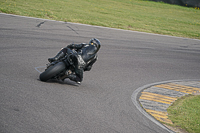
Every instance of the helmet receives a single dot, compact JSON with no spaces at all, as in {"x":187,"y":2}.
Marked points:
{"x":95,"y":42}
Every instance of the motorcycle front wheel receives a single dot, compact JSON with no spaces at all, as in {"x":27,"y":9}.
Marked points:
{"x":52,"y":71}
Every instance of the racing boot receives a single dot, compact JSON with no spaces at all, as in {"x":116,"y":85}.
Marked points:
{"x":75,"y":78}
{"x":57,"y":57}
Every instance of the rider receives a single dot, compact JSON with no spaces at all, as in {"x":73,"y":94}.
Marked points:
{"x":82,"y":57}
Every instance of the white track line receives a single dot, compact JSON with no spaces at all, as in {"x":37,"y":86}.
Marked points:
{"x":101,"y":27}
{"x":36,"y":68}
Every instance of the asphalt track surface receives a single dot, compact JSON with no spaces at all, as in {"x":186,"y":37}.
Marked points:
{"x":102,"y":103}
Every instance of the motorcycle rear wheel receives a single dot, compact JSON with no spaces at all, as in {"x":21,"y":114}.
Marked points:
{"x":52,"y":71}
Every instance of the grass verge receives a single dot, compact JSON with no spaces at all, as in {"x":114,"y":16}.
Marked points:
{"x":137,"y":15}
{"x":185,"y":113}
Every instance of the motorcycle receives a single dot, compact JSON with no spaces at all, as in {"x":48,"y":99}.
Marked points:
{"x":59,"y":69}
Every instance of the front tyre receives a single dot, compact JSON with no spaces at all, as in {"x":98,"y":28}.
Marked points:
{"x":52,"y":71}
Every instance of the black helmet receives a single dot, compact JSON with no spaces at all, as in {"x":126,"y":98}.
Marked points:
{"x":95,"y":42}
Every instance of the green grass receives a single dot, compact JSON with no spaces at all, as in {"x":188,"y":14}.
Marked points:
{"x":137,"y":15}
{"x":185,"y":113}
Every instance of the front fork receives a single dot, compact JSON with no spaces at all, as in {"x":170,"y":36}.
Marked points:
{"x":65,"y":74}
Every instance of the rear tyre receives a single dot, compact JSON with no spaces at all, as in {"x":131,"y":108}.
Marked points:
{"x":52,"y":71}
